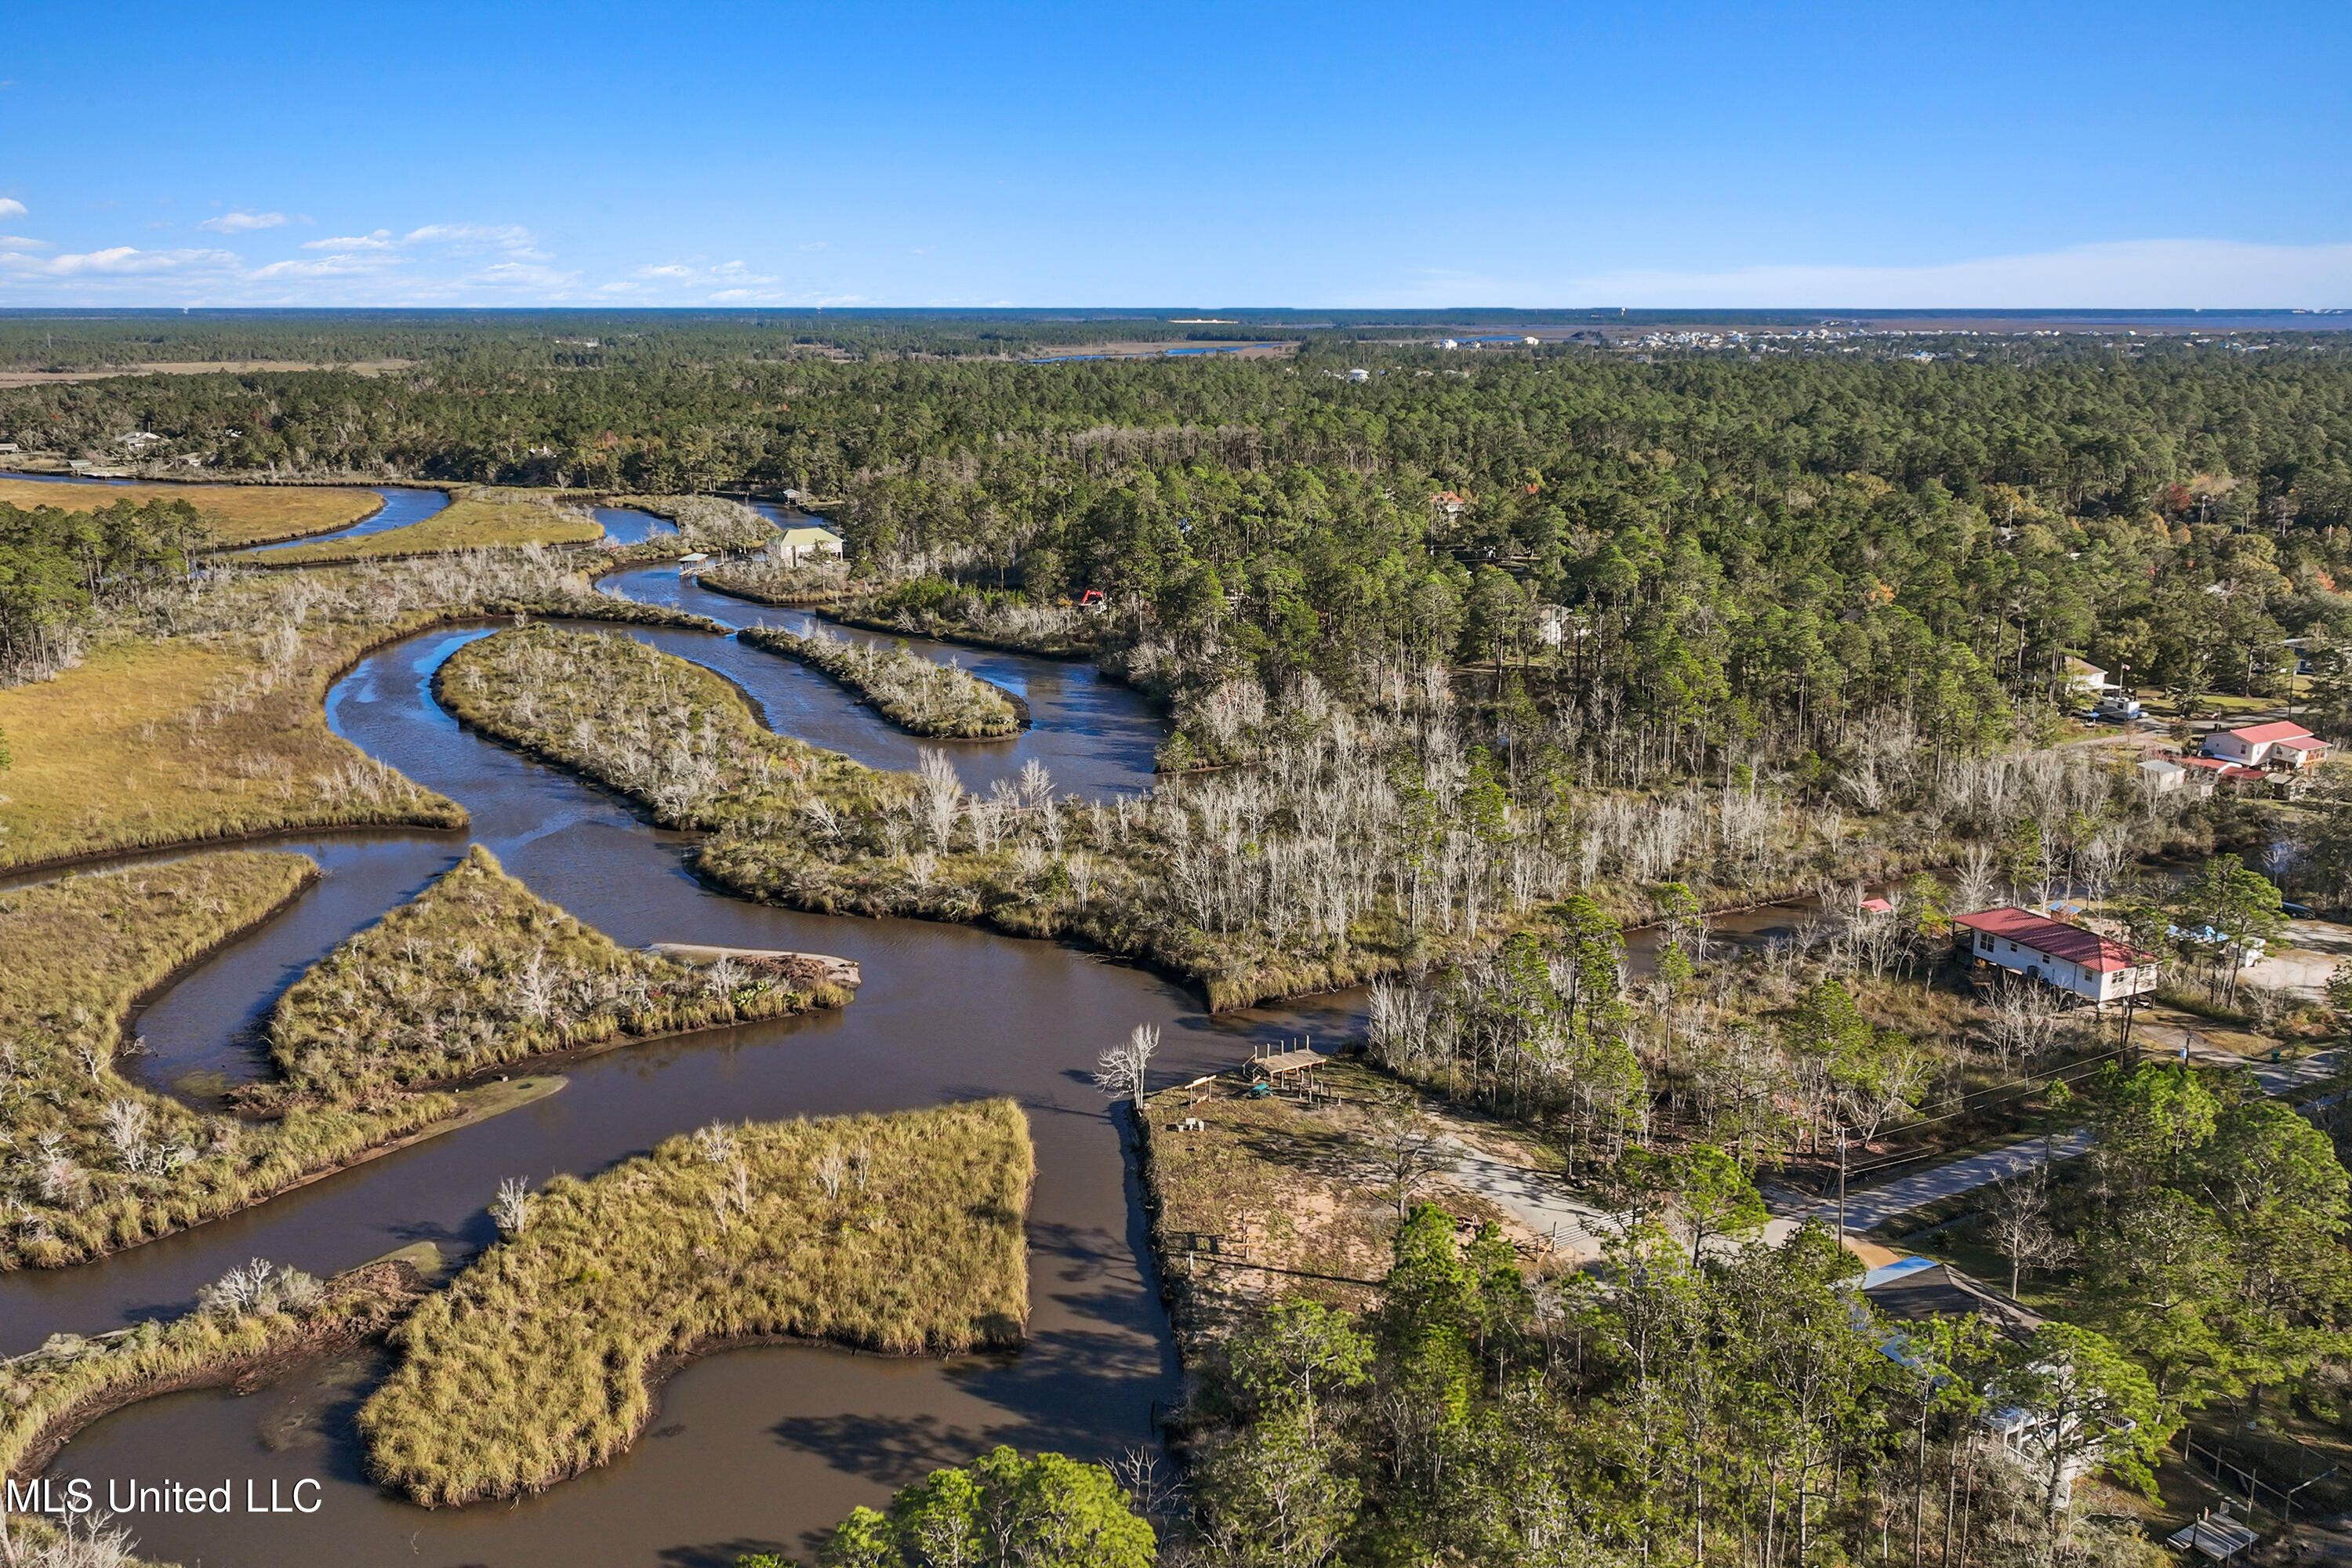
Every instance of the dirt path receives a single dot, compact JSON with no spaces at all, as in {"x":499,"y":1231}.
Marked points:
{"x":1532,"y":1198}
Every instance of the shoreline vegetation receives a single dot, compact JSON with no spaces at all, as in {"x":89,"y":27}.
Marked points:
{"x":474,"y":974}
{"x":901,"y":1235}
{"x":982,"y":617}
{"x":234,"y":517}
{"x":942,"y":700}
{"x":679,"y":740}
{"x":100,"y":1161}
{"x":477,"y":972}
{"x":246,"y":1325}
{"x":202,"y":720}
{"x":764,"y":581}
{"x":1159,"y":877}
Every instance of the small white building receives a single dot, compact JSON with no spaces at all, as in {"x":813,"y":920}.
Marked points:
{"x":807,"y":542}
{"x":2282,"y":744}
{"x":2072,"y":958}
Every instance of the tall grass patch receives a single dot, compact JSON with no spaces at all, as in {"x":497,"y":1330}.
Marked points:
{"x":660,"y":729}
{"x":900,"y":1233}
{"x":479,"y":971}
{"x":477,"y":519}
{"x":95,"y":1161}
{"x":257,"y":1314}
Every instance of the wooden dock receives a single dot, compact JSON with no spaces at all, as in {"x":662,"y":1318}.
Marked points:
{"x":702,"y":956}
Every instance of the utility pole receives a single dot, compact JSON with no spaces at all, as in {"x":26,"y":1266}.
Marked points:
{"x":1840,"y":1234}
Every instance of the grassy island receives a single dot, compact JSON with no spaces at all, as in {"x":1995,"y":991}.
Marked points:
{"x":257,"y":1316}
{"x":900,"y":1234}
{"x":479,"y":518}
{"x":478,"y":970}
{"x":202,"y":720}
{"x":475,"y":973}
{"x":765,"y":580}
{"x":99,"y":1161}
{"x":660,"y":728}
{"x":912,"y":692}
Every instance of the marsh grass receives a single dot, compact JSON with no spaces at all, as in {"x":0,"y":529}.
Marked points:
{"x":95,"y":1162}
{"x":476,"y":519}
{"x":982,"y":617}
{"x":900,"y":1233}
{"x":268,"y":1315}
{"x":205,"y":721}
{"x":911,"y":691}
{"x":704,"y":523}
{"x":478,"y":970}
{"x":658,"y":728}
{"x":235,"y":515}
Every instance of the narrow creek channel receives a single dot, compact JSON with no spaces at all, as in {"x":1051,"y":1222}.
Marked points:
{"x":752,"y":1448}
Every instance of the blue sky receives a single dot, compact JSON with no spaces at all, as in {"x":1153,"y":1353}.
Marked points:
{"x":1362,"y":154}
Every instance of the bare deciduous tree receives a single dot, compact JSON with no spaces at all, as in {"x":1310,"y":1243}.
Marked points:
{"x":2019,"y":1222}
{"x":511,"y":1210}
{"x":1122,"y":1070}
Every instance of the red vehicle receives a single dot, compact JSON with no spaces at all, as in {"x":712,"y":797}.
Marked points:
{"x":1092,"y":599}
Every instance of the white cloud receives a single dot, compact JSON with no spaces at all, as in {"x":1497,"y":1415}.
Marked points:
{"x":816,"y":245}
{"x":356,"y":266}
{"x":2135,"y":274}
{"x":242,"y":222}
{"x":672,"y":270}
{"x":495,"y":237}
{"x":16,"y":241}
{"x":122,"y":260}
{"x":379,"y":240}
{"x":10,"y":207}
{"x":523,"y":275}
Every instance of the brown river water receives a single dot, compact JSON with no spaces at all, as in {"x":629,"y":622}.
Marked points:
{"x":755,"y":1448}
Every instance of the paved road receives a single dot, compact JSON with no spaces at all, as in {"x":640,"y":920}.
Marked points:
{"x":1874,"y":1206}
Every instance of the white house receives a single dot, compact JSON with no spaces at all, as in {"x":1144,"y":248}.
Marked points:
{"x":2072,"y":958}
{"x":807,"y":542}
{"x":2280,"y":745}
{"x":2082,"y":677}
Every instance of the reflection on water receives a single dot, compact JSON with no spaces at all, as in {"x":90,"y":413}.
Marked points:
{"x":403,"y":505}
{"x":626,"y":525}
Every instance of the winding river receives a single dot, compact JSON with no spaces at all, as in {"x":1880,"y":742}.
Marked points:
{"x":751,"y":1449}
{"x":754,"y":1448}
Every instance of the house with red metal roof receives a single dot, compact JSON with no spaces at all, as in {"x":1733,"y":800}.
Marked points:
{"x":2073,"y":958}
{"x":2284,"y":743}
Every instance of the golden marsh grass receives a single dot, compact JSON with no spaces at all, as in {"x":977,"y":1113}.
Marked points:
{"x":900,"y":1233}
